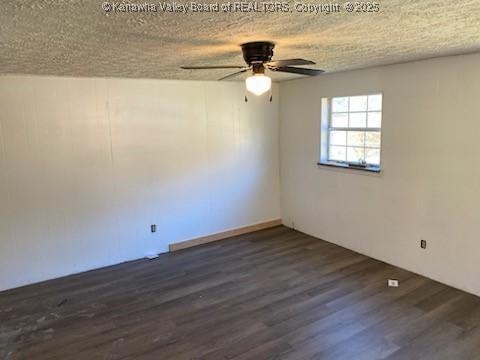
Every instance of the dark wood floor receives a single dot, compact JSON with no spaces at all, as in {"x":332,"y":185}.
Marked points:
{"x":274,"y":294}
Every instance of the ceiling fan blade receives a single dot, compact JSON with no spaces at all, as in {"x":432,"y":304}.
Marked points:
{"x":295,"y":70}
{"x":290,"y":62}
{"x":211,"y":67}
{"x":234,"y":74}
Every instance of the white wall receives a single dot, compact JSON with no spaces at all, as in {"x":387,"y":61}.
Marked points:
{"x":429,"y":187}
{"x":86,"y":165}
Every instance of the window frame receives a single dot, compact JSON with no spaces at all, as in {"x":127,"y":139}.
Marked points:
{"x":327,"y":127}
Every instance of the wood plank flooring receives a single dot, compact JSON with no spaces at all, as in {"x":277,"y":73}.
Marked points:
{"x":273,"y":294}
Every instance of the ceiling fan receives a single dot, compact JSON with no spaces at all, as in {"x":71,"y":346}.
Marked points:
{"x":258,"y":56}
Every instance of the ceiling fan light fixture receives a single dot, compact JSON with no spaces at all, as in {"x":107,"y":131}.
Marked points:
{"x":258,"y":58}
{"x":258,"y":84}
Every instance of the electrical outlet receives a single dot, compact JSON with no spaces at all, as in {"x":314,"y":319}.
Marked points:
{"x":153,"y":228}
{"x":423,"y":244}
{"x":392,"y":283}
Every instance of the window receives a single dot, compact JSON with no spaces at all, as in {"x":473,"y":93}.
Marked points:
{"x":352,"y":131}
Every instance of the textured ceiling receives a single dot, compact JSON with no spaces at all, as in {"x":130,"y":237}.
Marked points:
{"x":77,"y":38}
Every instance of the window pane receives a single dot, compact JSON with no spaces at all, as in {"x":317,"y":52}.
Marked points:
{"x":340,"y":104}
{"x":338,"y":138}
{"x":337,"y":153}
{"x":372,"y":138}
{"x":358,"y":103}
{"x":356,"y":138}
{"x":355,"y":154}
{"x":372,"y":156}
{"x":340,"y":120}
{"x":375,"y":102}
{"x":354,"y":129}
{"x":358,"y":119}
{"x":374,"y":119}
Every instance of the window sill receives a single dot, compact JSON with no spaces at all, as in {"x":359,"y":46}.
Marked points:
{"x":372,"y":169}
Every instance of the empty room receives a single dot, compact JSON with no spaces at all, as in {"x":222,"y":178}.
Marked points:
{"x":239,"y":180}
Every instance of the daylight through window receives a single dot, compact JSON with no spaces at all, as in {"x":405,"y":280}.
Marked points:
{"x":354,"y":130}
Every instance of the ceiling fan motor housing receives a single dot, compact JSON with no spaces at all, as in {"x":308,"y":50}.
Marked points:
{"x":257,"y":52}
